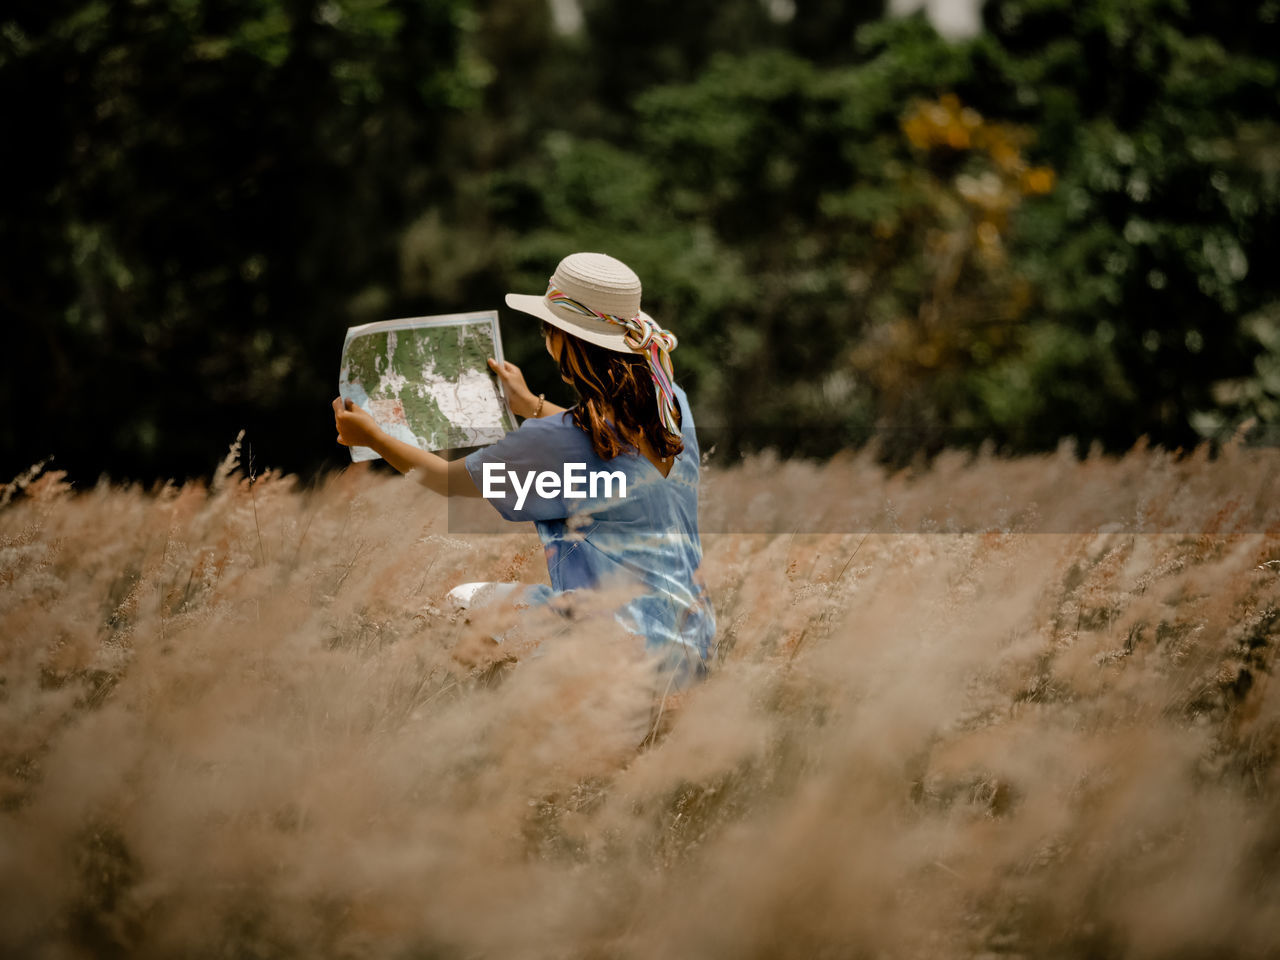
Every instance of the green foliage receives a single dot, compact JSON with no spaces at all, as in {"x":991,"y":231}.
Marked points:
{"x":202,"y":189}
{"x":857,"y":230}
{"x":1080,"y":266}
{"x":1155,"y":239}
{"x":1251,"y":402}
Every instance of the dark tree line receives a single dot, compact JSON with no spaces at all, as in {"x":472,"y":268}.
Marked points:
{"x":860,"y":231}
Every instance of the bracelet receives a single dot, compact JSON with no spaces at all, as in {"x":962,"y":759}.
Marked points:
{"x":542,"y":398}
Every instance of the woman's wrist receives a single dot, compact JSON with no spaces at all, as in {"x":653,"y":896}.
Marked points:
{"x":531,"y":406}
{"x":376,"y":439}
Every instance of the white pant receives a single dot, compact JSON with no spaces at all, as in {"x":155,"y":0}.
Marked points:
{"x":480,"y":593}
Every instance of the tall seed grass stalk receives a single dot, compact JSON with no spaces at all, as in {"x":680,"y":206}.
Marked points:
{"x":913,"y":744}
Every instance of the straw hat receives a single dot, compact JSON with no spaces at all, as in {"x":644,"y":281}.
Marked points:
{"x":597,"y":298}
{"x":601,"y":284}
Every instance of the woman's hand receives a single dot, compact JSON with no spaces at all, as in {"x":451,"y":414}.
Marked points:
{"x":356,"y":428}
{"x":522,"y":399}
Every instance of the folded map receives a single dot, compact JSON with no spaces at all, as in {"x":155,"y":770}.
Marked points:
{"x":426,"y":380}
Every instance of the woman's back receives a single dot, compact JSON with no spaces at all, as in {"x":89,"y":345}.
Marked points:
{"x":642,"y":531}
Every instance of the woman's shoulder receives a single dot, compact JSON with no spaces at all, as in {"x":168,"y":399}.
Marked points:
{"x":686,"y":408}
{"x":557,"y":422}
{"x":559,"y":435}
{"x":557,"y":431}
{"x":687,"y":431}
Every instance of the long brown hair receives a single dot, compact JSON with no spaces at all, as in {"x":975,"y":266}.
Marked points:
{"x":617,"y":406}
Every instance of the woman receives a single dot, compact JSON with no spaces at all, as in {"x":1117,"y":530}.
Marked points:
{"x":632,"y":420}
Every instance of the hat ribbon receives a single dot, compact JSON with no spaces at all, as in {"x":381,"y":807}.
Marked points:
{"x":644,"y":335}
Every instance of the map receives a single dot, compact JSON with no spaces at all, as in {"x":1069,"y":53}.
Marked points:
{"x":426,"y":380}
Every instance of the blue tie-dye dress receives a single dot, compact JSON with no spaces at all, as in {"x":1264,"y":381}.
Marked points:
{"x":649,"y":537}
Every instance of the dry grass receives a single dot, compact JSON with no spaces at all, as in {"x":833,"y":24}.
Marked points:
{"x":232,"y":723}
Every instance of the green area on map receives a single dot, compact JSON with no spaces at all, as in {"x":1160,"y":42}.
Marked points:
{"x":404,"y":371}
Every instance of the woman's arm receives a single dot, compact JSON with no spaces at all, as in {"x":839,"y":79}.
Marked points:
{"x":522,"y":399}
{"x":356,"y":428}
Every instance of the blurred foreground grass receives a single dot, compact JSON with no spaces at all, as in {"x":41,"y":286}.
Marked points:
{"x":235,"y":721}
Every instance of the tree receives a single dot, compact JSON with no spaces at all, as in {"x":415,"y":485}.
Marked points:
{"x":204,"y":193}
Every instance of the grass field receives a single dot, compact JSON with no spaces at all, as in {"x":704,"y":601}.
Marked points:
{"x":237,"y":721}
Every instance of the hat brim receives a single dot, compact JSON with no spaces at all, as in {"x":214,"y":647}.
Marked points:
{"x":600,"y":332}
